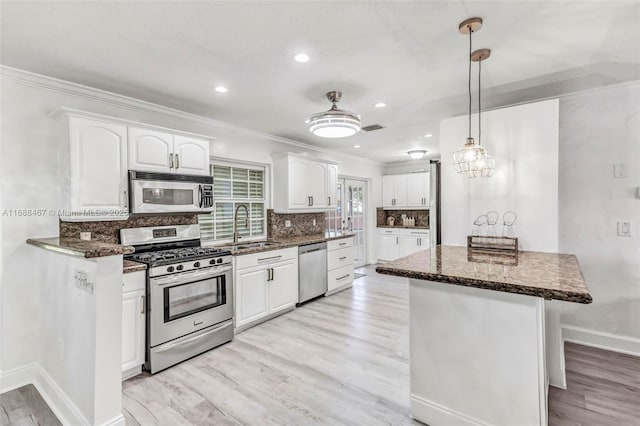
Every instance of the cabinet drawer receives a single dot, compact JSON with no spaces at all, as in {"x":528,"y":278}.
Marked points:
{"x":414,"y":232}
{"x":387,"y":231}
{"x":133,"y":281}
{"x":339,"y":277}
{"x":339,"y":258}
{"x":265,"y":257}
{"x":339,"y":244}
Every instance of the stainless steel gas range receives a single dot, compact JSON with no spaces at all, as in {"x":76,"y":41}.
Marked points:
{"x":189,"y":292}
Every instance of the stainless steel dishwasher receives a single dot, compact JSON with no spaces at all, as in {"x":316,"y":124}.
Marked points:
{"x":312,"y":271}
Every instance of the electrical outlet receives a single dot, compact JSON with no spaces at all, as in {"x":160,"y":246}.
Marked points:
{"x":620,"y":170}
{"x":82,"y":281}
{"x":624,"y":229}
{"x":287,"y":224}
{"x":314,"y":222}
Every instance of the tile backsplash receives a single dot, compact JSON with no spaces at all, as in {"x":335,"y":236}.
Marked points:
{"x":421,"y":216}
{"x":108,"y":231}
{"x":301,"y":224}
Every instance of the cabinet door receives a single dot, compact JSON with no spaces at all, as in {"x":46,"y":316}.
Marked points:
{"x":98,"y":167}
{"x":388,"y":247}
{"x":416,"y":187}
{"x":408,"y":245}
{"x":298,"y":192}
{"x":317,"y":179}
{"x":401,"y":190}
{"x":388,"y":190}
{"x":150,"y":150}
{"x":283,"y":288}
{"x":427,"y":189}
{"x":191,"y":155}
{"x":251,"y":295}
{"x":332,"y":185}
{"x":133,"y":329}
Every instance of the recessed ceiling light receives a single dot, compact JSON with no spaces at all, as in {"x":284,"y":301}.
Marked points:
{"x":301,"y":57}
{"x":220,"y":89}
{"x":356,"y":146}
{"x":428,"y":135}
{"x":380,"y":105}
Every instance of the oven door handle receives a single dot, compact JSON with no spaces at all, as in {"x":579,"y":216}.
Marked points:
{"x":189,"y":276}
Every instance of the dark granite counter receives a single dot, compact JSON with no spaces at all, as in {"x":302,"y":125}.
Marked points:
{"x":403,"y":227}
{"x":131,"y":266}
{"x":80,"y":248}
{"x":282,"y":243}
{"x":547,"y":275}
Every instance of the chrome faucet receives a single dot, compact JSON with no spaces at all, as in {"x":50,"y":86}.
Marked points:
{"x":236,"y":235}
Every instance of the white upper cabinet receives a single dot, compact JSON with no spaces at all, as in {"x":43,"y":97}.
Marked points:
{"x":332,"y":187}
{"x":97,"y":170}
{"x":191,"y":155}
{"x":162,"y":152}
{"x":406,"y":190}
{"x":302,"y":184}
{"x":150,"y":150}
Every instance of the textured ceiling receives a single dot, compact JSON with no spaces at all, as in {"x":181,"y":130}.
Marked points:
{"x":407,"y":54}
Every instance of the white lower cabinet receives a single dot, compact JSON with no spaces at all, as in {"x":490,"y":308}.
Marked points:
{"x":388,"y":244}
{"x":396,"y":243}
{"x":266,"y":283}
{"x":412,"y":241}
{"x":339,"y":265}
{"x":133,"y":323}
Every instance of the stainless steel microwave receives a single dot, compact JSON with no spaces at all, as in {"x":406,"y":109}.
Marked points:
{"x":157,"y":193}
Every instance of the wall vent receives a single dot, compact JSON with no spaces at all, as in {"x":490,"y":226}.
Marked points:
{"x":372,"y":127}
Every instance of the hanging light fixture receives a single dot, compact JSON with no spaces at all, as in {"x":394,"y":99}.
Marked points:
{"x":417,"y":154}
{"x":486,"y":168}
{"x":334,"y":123}
{"x":471,"y":158}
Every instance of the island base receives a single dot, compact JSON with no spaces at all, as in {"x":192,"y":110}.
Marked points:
{"x":476,"y":356}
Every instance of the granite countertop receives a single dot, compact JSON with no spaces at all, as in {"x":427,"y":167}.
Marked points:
{"x":80,"y":248}
{"x":287,"y":242}
{"x":402,"y":227}
{"x":547,"y":275}
{"x":131,"y":266}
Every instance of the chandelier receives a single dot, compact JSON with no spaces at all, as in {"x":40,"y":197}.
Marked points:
{"x":334,"y":123}
{"x":473,"y":159}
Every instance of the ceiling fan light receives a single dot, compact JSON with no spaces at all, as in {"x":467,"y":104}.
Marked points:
{"x":334,"y":123}
{"x":417,"y":154}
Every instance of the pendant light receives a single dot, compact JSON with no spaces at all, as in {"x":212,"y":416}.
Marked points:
{"x":334,"y":123}
{"x":471,"y":158}
{"x":486,"y":168}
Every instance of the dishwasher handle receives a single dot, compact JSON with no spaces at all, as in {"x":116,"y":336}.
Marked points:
{"x":309,"y":248}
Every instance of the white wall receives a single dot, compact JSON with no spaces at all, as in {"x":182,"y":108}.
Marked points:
{"x":29,"y":180}
{"x":524,"y":141}
{"x":597,"y":130}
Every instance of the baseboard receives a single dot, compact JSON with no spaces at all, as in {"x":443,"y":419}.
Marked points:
{"x":432,"y":413}
{"x":61,"y":405}
{"x":602,"y":340}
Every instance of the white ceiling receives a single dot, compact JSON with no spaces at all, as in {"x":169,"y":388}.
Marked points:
{"x":407,"y":54}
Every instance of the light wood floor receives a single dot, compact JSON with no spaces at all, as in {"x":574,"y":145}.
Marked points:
{"x":24,"y":406}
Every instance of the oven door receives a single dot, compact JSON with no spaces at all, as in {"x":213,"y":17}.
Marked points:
{"x":157,"y":196}
{"x":189,"y":301}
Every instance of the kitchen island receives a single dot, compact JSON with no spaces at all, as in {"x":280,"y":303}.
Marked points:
{"x":478,"y":335}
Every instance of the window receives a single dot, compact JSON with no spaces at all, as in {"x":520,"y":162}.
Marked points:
{"x":333,"y":219}
{"x":235,"y":186}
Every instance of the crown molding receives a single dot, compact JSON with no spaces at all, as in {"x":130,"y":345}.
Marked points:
{"x":27,"y":78}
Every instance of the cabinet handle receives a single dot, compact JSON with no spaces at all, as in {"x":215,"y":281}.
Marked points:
{"x":125,"y":201}
{"x":269,"y":258}
{"x":142,"y":305}
{"x":268,"y":274}
{"x":419,"y":241}
{"x":272,"y":274}
{"x":177,"y":160}
{"x":341,"y":244}
{"x":343,"y":258}
{"x":309,"y":201}
{"x":329,"y":201}
{"x":171,"y":161}
{"x":396,"y":240}
{"x":342,"y":278}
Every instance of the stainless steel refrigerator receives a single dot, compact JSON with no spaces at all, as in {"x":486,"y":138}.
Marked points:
{"x":434,"y":204}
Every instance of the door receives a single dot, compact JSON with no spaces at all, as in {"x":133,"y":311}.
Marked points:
{"x":298,"y":194}
{"x":332,"y":185}
{"x":283,"y":288}
{"x":317,"y":180}
{"x":354,"y":217}
{"x":191,"y":156}
{"x":99,"y":167}
{"x":388,"y":246}
{"x":388,"y":190}
{"x":133,"y":326}
{"x":251,"y":294}
{"x":150,"y":150}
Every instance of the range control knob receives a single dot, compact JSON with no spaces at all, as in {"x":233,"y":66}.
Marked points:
{"x":170,"y":269}
{"x":196,"y":265}
{"x":212,"y":262}
{"x":219,"y":260}
{"x":179,"y":267}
